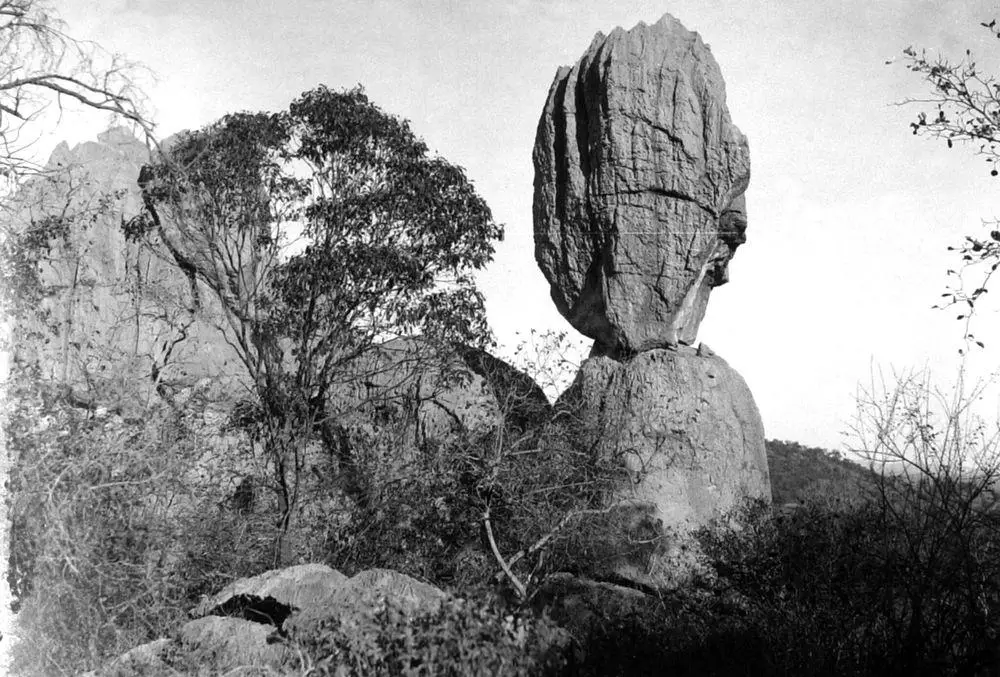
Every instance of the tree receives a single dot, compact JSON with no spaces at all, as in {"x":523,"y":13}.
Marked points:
{"x":318,"y":232}
{"x":41,"y":64}
{"x":963,"y":107}
{"x":936,"y":466}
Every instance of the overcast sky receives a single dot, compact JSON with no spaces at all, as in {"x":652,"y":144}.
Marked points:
{"x":849,"y":213}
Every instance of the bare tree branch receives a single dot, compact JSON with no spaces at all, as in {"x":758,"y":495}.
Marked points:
{"x":41,"y":66}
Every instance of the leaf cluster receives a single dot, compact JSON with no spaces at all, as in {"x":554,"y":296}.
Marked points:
{"x":966,"y":109}
{"x":327,"y":227}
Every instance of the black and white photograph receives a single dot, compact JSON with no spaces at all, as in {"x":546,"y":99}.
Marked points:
{"x":524,"y":338}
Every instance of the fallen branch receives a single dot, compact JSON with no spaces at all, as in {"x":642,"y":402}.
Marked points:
{"x":544,"y":540}
{"x":515,"y":581}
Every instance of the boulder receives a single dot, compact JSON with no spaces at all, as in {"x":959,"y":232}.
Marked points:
{"x":639,"y":182}
{"x":683,"y":430}
{"x":522,"y":402}
{"x":231,"y":645}
{"x":356,"y":601}
{"x":317,"y":590}
{"x":145,"y":659}
{"x":409,"y":395}
{"x":410,"y":380}
{"x":407,"y":591}
{"x":272,"y":595}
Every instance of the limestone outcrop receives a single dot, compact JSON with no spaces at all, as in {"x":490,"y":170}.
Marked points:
{"x":638,"y":209}
{"x":426,"y":387}
{"x":109,"y":316}
{"x":295,"y":587}
{"x":407,"y":393}
{"x":639,"y":182}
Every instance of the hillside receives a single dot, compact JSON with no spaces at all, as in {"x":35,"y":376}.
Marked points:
{"x":800,"y":473}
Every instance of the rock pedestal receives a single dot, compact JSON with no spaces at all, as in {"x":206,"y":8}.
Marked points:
{"x":683,"y":426}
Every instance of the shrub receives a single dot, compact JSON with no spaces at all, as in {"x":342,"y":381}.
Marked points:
{"x":463,"y":637}
{"x":846,"y":592}
{"x":115,"y":534}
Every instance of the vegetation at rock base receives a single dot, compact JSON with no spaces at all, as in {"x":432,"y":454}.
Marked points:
{"x":121,"y":527}
{"x":464,"y":637}
{"x":391,"y":237}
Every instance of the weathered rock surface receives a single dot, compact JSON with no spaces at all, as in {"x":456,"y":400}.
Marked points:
{"x":408,"y":378}
{"x":229,"y":645}
{"x":639,"y":178}
{"x":355,"y":602}
{"x":523,"y":404}
{"x":687,"y":434}
{"x":240,"y":627}
{"x":407,"y":394}
{"x":407,"y":591}
{"x":295,"y":587}
{"x":111,"y":322}
{"x":145,"y":659}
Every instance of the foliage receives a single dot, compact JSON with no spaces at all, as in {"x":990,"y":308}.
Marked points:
{"x":458,"y":511}
{"x":834,"y":592}
{"x":964,"y":102}
{"x":320,"y":231}
{"x":801,"y":474}
{"x":51,"y":230}
{"x":905,"y":583}
{"x":113,"y":534}
{"x":463,"y":637}
{"x":390,"y":234}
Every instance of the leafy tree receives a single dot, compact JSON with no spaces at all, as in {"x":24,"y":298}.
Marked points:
{"x":319,"y":232}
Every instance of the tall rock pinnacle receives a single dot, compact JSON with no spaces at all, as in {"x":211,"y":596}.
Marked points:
{"x":639,"y":182}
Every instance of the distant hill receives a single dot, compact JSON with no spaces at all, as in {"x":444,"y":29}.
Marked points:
{"x":800,"y":473}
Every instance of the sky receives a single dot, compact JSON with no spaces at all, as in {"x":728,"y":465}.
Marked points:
{"x":849,"y":214}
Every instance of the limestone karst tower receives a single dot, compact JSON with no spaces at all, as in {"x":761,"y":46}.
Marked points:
{"x":638,"y":208}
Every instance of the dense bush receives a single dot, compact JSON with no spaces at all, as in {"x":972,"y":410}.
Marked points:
{"x":871,"y":589}
{"x":855,"y":592}
{"x":114,"y":536}
{"x":463,"y":637}
{"x":802,"y":474}
{"x":544,"y":506}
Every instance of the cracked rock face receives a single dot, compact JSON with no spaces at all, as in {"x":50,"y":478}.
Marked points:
{"x":111,"y":317}
{"x":639,"y":182}
{"x":684,"y":428}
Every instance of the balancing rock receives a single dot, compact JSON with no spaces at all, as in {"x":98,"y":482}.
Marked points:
{"x":639,"y":182}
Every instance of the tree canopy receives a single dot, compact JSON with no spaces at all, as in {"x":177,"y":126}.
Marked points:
{"x":326,"y":227}
{"x":319,"y":232}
